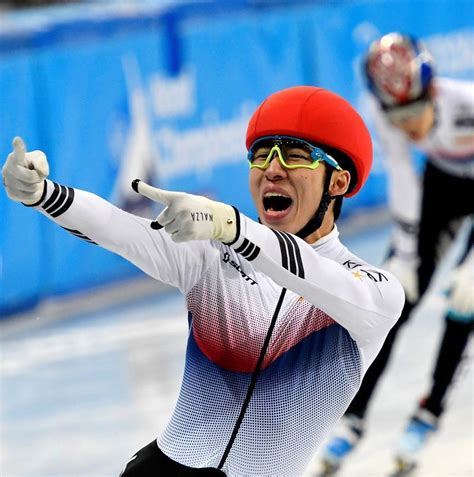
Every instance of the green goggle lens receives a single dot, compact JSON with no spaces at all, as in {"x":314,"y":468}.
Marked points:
{"x":293,"y":153}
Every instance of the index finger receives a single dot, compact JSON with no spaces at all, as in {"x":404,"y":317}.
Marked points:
{"x":153,"y":193}
{"x":19,"y":149}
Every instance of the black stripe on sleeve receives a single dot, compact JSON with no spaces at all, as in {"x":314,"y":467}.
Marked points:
{"x":297,"y":254}
{"x":248,"y":250}
{"x":284,"y":252}
{"x":58,"y":200}
{"x":87,"y":239}
{"x":243,"y":246}
{"x":66,"y":204}
{"x":291,"y":253}
{"x":466,"y":122}
{"x":80,"y":235}
{"x":54,"y":196}
{"x":63,"y":195}
{"x":254,"y":254}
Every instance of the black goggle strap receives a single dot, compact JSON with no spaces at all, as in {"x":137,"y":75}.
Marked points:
{"x":271,"y":142}
{"x":318,"y":217}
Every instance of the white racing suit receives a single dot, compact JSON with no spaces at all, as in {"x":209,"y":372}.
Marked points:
{"x":280,"y":333}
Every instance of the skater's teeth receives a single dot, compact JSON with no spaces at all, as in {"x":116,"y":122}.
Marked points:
{"x":276,"y":202}
{"x":274,"y":194}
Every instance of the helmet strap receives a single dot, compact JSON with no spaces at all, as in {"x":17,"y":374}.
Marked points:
{"x":317,"y":219}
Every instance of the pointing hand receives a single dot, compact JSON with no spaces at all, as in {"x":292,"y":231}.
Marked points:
{"x":191,"y":217}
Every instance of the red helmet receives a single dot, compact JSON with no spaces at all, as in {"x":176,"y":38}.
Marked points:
{"x":317,"y":116}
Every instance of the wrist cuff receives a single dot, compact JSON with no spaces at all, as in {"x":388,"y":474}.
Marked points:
{"x":43,"y":195}
{"x":237,"y":227}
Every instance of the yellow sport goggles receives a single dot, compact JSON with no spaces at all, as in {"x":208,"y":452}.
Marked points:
{"x":293,"y":153}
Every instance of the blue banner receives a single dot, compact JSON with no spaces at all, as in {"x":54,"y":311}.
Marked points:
{"x":91,"y":99}
{"x":228,"y":68}
{"x":20,"y":237}
{"x":165,"y":95}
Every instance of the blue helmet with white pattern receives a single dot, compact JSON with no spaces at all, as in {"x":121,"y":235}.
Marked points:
{"x":399,"y":70}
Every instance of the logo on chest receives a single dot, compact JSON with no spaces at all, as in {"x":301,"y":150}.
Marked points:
{"x":226,"y":259}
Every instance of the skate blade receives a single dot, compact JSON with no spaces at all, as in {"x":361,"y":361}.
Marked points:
{"x":403,"y":468}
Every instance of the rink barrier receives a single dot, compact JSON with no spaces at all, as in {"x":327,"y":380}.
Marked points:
{"x":107,"y":93}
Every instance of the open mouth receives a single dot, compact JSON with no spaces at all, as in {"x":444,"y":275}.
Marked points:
{"x":275,"y":202}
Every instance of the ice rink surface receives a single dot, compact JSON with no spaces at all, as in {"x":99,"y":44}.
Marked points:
{"x":81,"y":394}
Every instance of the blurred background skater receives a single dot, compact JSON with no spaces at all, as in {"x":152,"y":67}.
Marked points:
{"x":415,"y":107}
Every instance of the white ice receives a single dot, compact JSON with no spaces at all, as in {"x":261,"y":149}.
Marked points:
{"x":81,"y":394}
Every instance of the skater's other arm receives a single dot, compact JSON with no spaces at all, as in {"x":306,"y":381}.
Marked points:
{"x":92,"y":218}
{"x":404,"y":187}
{"x":365,"y":300}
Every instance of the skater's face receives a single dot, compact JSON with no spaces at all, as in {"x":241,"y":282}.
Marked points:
{"x":417,"y":126}
{"x":286,"y":199}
